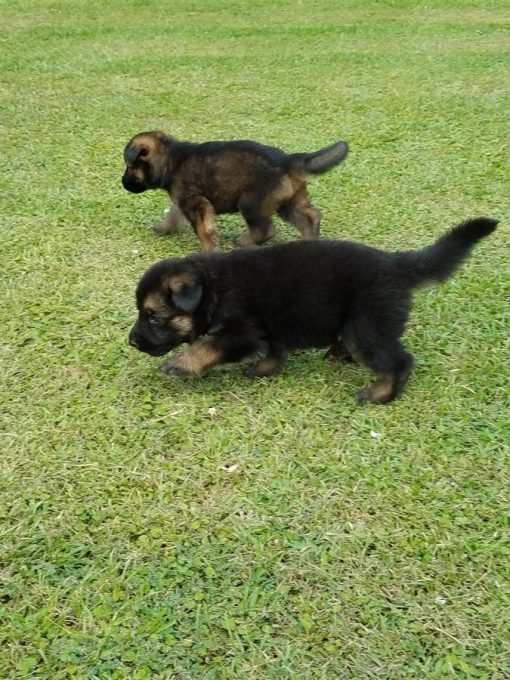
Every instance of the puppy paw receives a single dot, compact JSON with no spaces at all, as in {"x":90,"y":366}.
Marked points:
{"x":166,"y":226}
{"x":264,"y":368}
{"x":336,"y":354}
{"x":173,"y":369}
{"x":363,"y":396}
{"x":161,"y":228}
{"x":254,"y":238}
{"x":251,"y":371}
{"x":172,"y":222}
{"x":244,"y":239}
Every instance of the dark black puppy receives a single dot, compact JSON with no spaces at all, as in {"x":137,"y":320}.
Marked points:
{"x":213,"y":178}
{"x":261,"y":303}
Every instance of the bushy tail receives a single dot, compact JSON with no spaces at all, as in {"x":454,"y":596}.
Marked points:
{"x":439,"y":261}
{"x":317,"y":162}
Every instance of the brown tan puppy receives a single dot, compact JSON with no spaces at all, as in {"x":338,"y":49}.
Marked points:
{"x":212,"y":178}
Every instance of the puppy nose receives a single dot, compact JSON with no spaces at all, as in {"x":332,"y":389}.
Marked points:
{"x":133,"y":342}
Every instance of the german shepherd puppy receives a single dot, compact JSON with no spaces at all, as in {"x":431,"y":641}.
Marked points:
{"x":261,"y":303}
{"x":228,"y":177}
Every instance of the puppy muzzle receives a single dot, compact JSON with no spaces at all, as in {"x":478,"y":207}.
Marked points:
{"x":132,"y":186}
{"x":139,"y":342}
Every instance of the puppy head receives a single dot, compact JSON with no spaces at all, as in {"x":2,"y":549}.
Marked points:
{"x":145,"y":156}
{"x":168,"y":297}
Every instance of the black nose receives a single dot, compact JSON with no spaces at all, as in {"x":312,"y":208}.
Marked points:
{"x":133,"y":342}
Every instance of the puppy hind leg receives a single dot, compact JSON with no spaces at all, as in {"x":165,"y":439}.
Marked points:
{"x":388,"y":385}
{"x":302,"y":214}
{"x":384,"y":355}
{"x":392,"y":366}
{"x":258,"y":220}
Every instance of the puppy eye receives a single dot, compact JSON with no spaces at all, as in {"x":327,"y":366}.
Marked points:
{"x":155,"y":320}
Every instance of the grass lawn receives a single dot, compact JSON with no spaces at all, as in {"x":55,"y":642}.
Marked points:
{"x":227,"y":528}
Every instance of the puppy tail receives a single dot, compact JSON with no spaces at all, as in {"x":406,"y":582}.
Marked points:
{"x":317,"y":162}
{"x":438,"y":262}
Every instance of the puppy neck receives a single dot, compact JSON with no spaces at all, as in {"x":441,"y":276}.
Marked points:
{"x":175,"y":153}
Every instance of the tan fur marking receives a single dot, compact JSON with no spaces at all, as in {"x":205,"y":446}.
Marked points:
{"x":179,"y":281}
{"x":282,"y":194}
{"x":206,"y":228}
{"x":153,"y":153}
{"x":145,"y":141}
{"x":268,"y":366}
{"x":198,"y":358}
{"x":298,"y":184}
{"x":154,"y":302}
{"x":306,"y":217}
{"x":182,"y":324}
{"x":381,"y":389}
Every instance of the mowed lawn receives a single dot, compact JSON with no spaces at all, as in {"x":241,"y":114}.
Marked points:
{"x":227,"y":528}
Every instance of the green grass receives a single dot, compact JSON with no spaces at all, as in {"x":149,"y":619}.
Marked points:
{"x":289,"y":533}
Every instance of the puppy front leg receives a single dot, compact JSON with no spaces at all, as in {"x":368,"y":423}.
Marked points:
{"x":210,"y":351}
{"x":171,"y":223}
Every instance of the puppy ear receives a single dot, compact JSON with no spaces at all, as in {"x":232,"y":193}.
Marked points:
{"x":134,"y":152}
{"x":185,"y":292}
{"x":188,"y":298}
